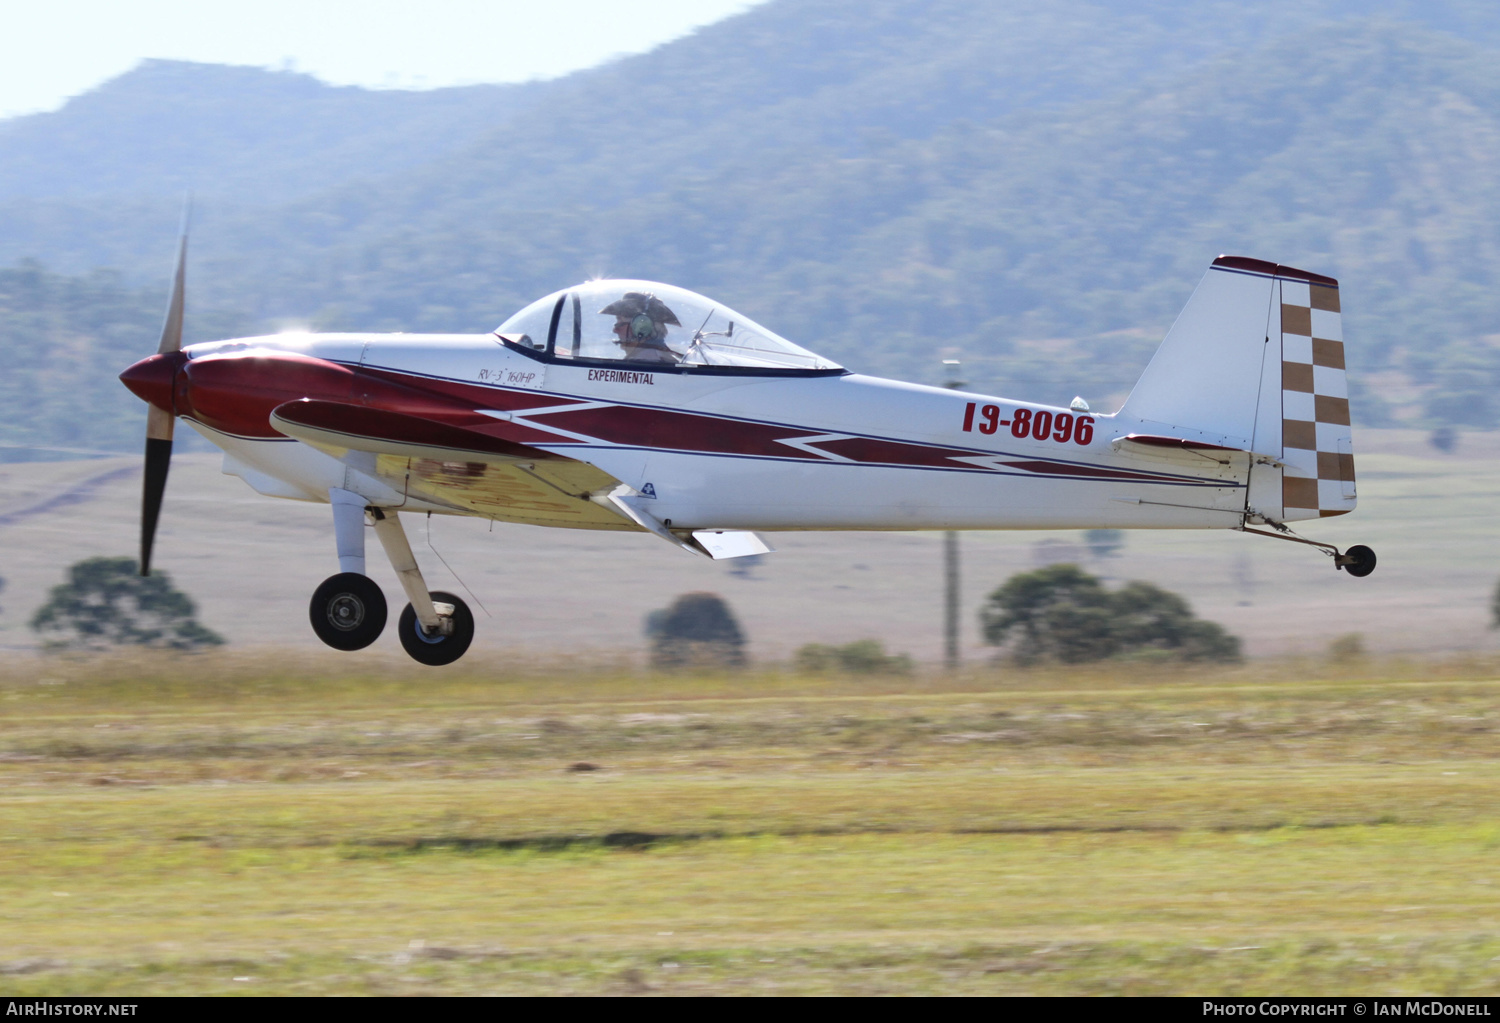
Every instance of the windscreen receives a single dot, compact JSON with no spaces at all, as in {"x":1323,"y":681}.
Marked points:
{"x":648,"y":324}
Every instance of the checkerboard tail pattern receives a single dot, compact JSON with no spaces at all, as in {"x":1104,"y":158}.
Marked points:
{"x":1317,"y":447}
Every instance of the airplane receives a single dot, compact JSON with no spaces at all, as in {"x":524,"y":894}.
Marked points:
{"x":639,"y":406}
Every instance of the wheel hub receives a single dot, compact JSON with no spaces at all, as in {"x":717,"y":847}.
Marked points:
{"x":346,"y":612}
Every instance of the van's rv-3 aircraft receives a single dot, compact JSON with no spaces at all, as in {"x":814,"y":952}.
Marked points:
{"x":631,"y":405}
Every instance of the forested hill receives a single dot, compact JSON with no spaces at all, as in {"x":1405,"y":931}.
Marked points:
{"x":237,"y":134}
{"x":1036,"y":190}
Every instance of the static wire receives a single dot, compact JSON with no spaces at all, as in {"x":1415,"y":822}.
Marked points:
{"x":450,"y":569}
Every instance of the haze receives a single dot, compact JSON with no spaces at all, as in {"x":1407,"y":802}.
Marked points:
{"x":50,"y":52}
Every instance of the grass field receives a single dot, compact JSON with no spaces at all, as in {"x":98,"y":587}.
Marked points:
{"x":228,"y":824}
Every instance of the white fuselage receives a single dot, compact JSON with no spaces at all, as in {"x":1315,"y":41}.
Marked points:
{"x":765,"y":452}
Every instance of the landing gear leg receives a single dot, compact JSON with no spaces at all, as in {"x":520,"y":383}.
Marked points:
{"x":1358,"y":561}
{"x":435,"y":628}
{"x":348,"y":610}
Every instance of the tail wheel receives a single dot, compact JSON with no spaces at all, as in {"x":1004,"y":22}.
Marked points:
{"x":1358,"y":561}
{"x":348,"y":611}
{"x":438,"y":649}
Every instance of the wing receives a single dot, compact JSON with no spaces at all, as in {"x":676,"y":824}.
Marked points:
{"x":450,"y":465}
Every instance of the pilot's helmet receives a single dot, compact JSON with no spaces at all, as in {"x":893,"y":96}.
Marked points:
{"x":647,"y":315}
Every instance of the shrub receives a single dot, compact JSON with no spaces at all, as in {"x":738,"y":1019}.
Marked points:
{"x":1061,"y":613}
{"x":1347,"y":648}
{"x":106,"y":603}
{"x":697,"y":631}
{"x":1104,"y":543}
{"x":862,"y":657}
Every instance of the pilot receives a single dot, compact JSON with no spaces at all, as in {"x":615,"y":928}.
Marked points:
{"x":641,"y":322}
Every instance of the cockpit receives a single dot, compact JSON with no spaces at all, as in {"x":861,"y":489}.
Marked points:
{"x":651,"y":326}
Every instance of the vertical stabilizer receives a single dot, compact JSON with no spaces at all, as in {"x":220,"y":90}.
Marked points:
{"x":1205,"y":379}
{"x":1256,"y":361}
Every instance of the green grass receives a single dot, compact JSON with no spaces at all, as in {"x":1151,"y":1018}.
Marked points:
{"x":169,"y":827}
{"x":300,"y":917}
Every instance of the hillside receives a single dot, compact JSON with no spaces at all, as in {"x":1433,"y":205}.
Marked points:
{"x":1035,"y":190}
{"x":237,"y":133}
{"x":65,"y":341}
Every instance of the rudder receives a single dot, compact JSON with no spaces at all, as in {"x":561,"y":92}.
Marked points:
{"x":1316,"y":437}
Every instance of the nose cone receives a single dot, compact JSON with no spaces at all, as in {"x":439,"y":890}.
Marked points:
{"x":151,"y":378}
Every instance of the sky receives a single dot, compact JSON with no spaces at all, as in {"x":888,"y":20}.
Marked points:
{"x":54,"y":50}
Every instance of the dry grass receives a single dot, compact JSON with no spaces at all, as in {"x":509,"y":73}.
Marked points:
{"x":169,"y":826}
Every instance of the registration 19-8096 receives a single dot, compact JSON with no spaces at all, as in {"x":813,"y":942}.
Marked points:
{"x":1039,"y":425}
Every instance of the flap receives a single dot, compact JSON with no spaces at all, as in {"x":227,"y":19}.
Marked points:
{"x":714,"y":543}
{"x":624,"y":500}
{"x":730,"y":543}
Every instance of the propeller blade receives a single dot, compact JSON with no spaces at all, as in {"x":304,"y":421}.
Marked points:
{"x":158,"y":461}
{"x":160,"y":422}
{"x":171,"y":329}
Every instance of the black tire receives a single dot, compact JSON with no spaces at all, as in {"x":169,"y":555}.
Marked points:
{"x":1361,"y":561}
{"x":348,"y":611}
{"x":437,"y":650}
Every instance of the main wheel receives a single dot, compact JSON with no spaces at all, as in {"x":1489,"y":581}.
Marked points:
{"x":437,"y":649}
{"x":1361,"y":561}
{"x":348,"y":611}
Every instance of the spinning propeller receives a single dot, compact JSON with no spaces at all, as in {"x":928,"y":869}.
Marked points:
{"x":152,"y":379}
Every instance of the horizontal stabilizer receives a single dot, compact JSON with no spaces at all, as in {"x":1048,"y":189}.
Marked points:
{"x":360,"y":428}
{"x":1152,"y":440}
{"x":1156,"y":445}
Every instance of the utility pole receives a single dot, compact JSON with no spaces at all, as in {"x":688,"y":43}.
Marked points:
{"x":950,"y":560}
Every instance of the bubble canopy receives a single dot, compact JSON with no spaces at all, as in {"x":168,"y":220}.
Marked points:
{"x":652,"y":326}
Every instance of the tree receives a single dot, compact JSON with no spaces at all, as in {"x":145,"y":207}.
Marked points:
{"x":697,"y":631}
{"x":1061,"y":613}
{"x":106,"y":603}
